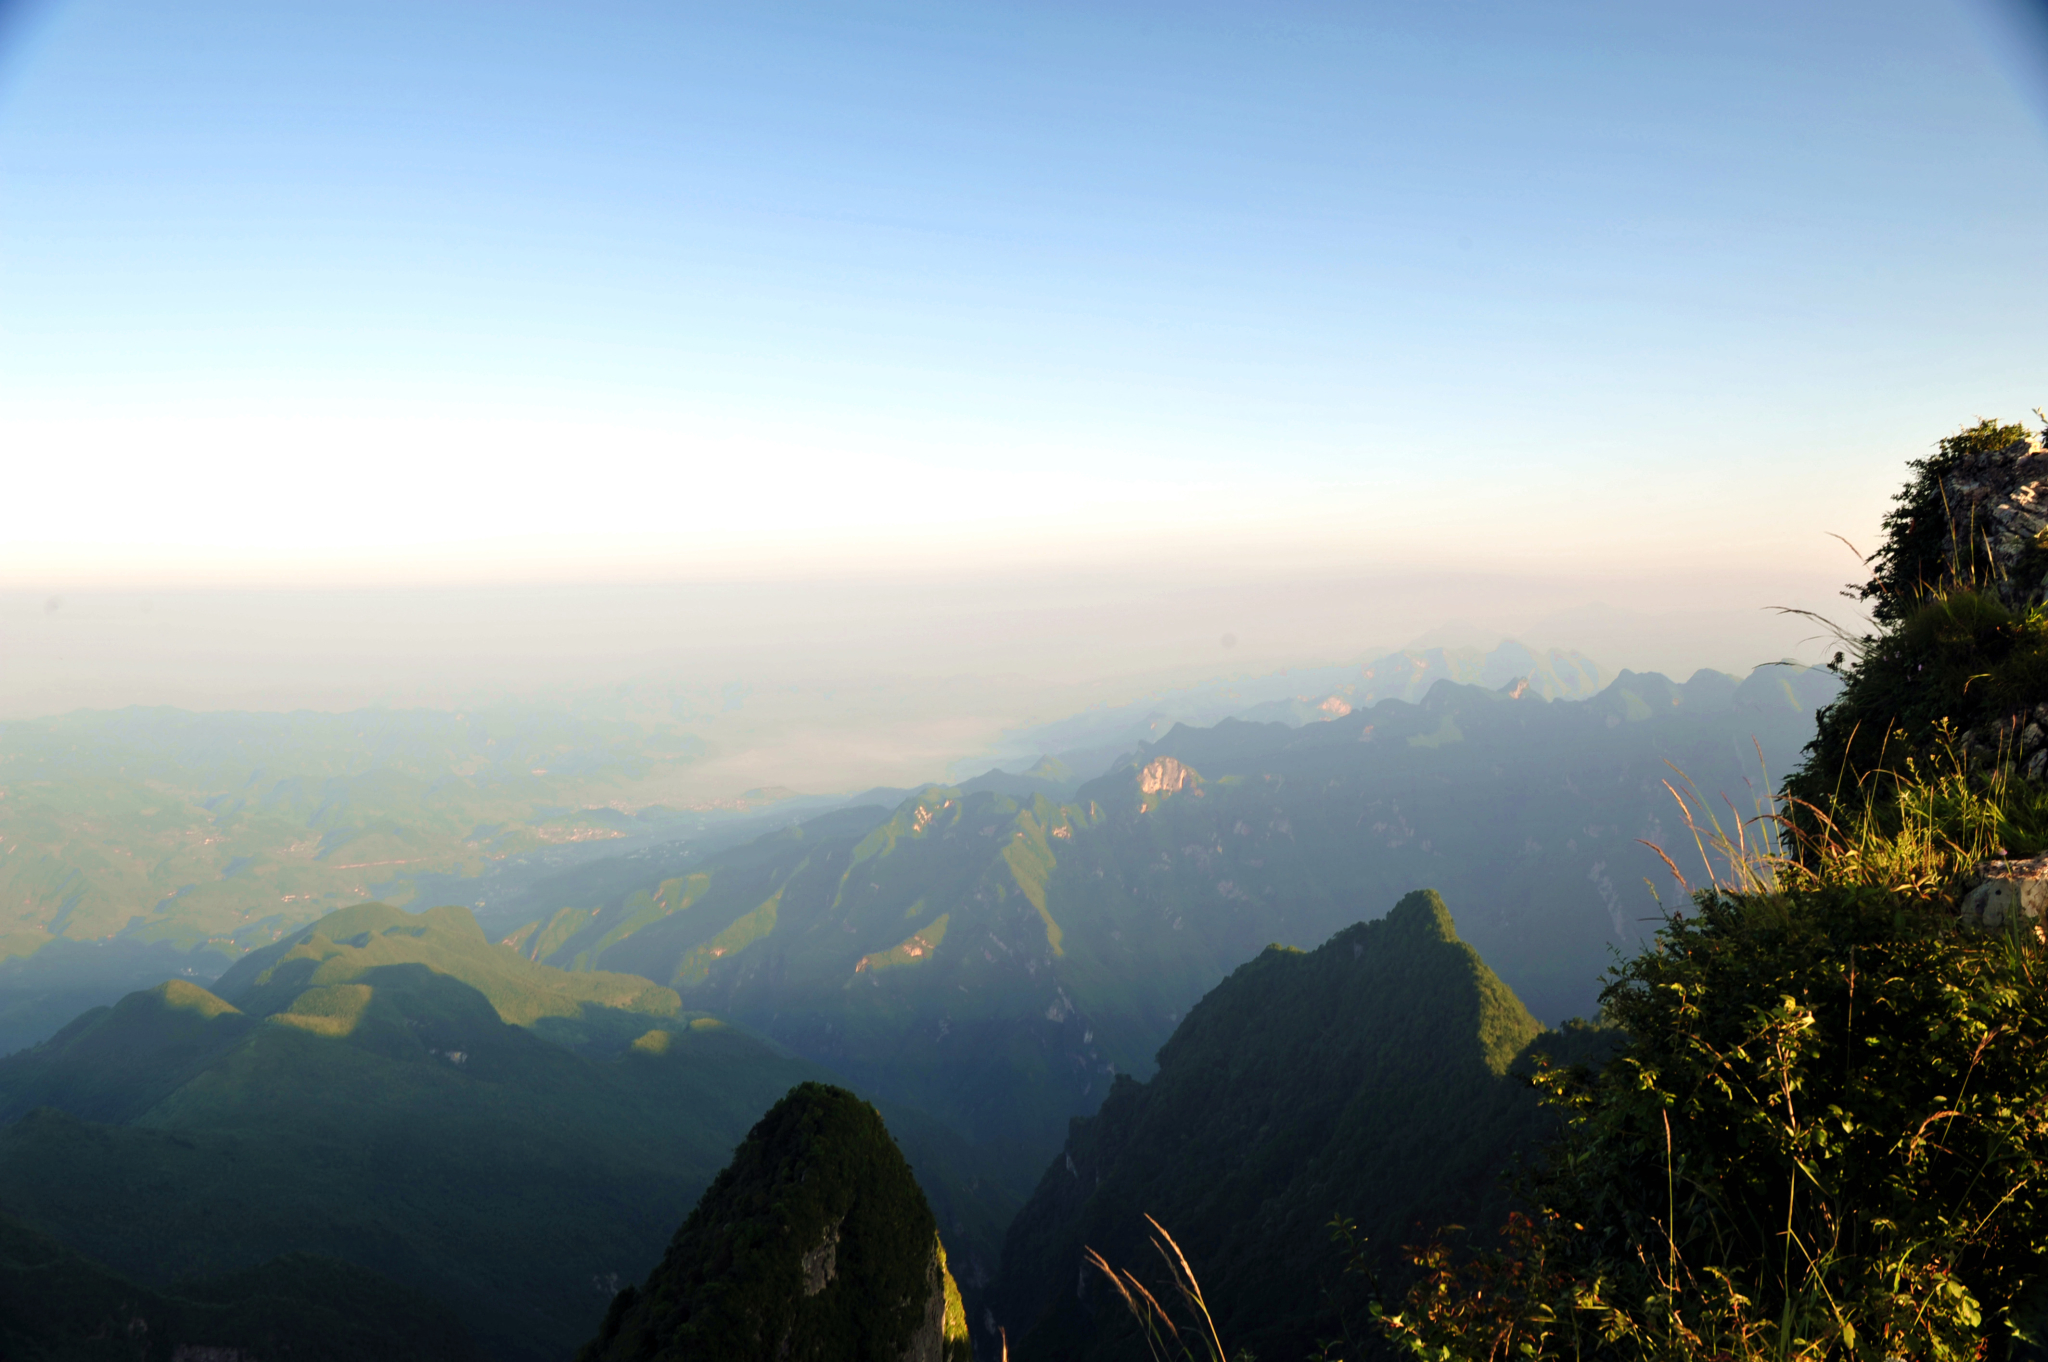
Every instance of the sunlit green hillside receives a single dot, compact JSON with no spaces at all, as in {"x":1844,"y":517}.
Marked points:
{"x":391,"y":1090}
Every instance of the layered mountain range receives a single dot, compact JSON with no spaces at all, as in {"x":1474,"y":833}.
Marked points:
{"x":996,"y":952}
{"x":512,"y":1118}
{"x":1303,"y":695}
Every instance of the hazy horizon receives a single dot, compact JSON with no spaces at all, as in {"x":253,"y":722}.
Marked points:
{"x":824,"y":688}
{"x":986,"y":364}
{"x":1071,"y":595}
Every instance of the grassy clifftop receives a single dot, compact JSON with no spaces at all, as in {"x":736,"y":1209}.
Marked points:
{"x":1824,"y":1132}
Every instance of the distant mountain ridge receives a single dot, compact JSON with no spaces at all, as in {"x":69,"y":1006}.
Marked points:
{"x":996,"y":958}
{"x":1302,"y":695}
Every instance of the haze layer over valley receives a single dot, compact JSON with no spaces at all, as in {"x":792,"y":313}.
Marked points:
{"x":215,"y":831}
{"x":982,"y":955}
{"x":908,"y":682}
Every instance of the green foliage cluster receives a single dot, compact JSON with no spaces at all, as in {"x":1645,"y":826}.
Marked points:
{"x":56,"y":1306}
{"x":1370,"y":1076}
{"x":1825,"y":1134}
{"x":1961,"y":659}
{"x":813,"y":1245}
{"x":1928,"y":540}
{"x":1962,"y":639}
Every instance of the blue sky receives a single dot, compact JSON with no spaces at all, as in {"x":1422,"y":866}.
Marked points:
{"x":452,"y":291}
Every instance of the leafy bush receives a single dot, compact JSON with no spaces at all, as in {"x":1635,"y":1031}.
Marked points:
{"x":1826,"y":1132}
{"x":1957,"y":589}
{"x":1961,"y":663}
{"x":1827,"y":1136}
{"x":1929,"y":540}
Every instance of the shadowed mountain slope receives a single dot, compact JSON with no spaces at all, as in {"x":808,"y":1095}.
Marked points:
{"x":58,"y":1307}
{"x":813,"y":1245}
{"x":356,"y":1098}
{"x":1367,"y":1078}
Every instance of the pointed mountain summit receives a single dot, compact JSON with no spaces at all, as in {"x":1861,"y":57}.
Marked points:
{"x":1368,"y":1078}
{"x":814,"y":1245}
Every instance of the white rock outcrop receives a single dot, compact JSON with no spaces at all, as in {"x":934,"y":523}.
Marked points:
{"x":2008,"y":892}
{"x":1166,"y":776}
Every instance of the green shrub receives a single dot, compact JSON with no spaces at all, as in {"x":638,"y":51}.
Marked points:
{"x":1825,"y":1133}
{"x":1826,"y":1136}
{"x":1929,"y":541}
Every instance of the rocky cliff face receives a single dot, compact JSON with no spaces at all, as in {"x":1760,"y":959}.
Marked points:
{"x":1997,"y":501}
{"x":814,"y":1244}
{"x":1167,"y":776}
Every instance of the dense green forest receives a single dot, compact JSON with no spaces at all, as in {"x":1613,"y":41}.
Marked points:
{"x":56,"y":1306}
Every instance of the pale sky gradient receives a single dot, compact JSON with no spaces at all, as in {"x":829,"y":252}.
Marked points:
{"x":433,"y":292}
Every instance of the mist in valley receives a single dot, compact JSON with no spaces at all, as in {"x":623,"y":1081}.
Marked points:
{"x":738,"y":683}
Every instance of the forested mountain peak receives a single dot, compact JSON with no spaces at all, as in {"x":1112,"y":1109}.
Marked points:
{"x":1367,"y":1077}
{"x":813,"y":1245}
